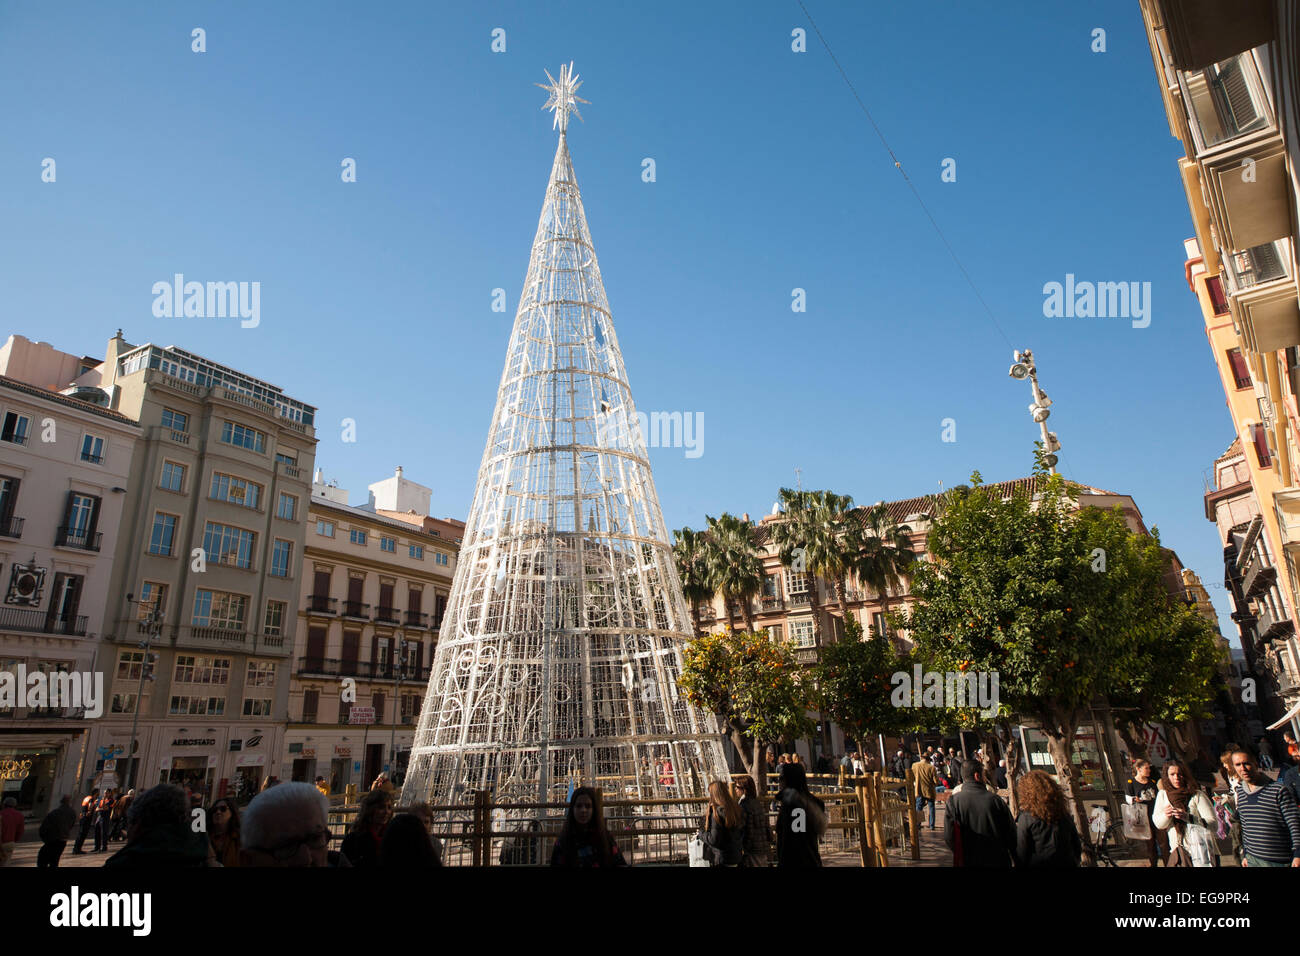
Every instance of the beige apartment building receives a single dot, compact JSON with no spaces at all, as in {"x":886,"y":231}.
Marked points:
{"x":1229,"y":75}
{"x":210,"y":545}
{"x":802,"y":608}
{"x":1252,"y":582}
{"x":65,"y":462}
{"x":373,"y":591}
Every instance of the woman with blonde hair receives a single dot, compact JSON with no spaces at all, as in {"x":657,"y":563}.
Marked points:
{"x":724,"y":827}
{"x":1045,"y":834}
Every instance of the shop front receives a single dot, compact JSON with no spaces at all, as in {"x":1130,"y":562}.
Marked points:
{"x":191,"y":764}
{"x":28,"y":775}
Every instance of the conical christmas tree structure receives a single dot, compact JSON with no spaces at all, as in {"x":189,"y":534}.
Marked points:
{"x":561,"y":645}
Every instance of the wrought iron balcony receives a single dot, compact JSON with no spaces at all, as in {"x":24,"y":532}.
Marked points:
{"x":42,"y":622}
{"x":11,"y":527}
{"x":1270,"y":628}
{"x":772,"y":602}
{"x":800,"y":600}
{"x":367,"y":670}
{"x":387,"y":615}
{"x":78,"y":538}
{"x":320,"y":604}
{"x":356,"y":609}
{"x":418,"y":619}
{"x":1258,"y":577}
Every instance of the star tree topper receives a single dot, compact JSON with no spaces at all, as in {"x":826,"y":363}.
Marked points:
{"x":563,"y":99}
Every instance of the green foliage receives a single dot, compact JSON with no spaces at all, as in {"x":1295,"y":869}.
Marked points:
{"x":818,"y":532}
{"x":854,"y":686}
{"x":753,"y":684}
{"x":734,"y":563}
{"x":691,"y":555}
{"x":1013,"y":589}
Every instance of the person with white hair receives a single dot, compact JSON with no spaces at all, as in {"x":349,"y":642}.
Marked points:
{"x":286,"y":825}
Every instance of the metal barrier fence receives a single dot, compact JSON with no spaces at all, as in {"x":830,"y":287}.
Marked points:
{"x":864,"y":814}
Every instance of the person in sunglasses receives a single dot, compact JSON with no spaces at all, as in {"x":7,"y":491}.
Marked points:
{"x":223,"y":832}
{"x":287,"y":825}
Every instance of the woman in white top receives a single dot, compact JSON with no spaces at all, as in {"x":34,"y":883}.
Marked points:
{"x":1186,"y":812}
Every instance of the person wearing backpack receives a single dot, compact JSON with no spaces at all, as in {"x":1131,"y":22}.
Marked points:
{"x":1183,"y":809}
{"x":800,"y":822}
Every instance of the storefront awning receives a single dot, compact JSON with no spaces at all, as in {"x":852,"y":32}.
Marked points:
{"x":1287,"y":717}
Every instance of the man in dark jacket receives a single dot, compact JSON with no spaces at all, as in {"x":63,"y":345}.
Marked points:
{"x":56,"y":829}
{"x":159,"y":834}
{"x":977,"y":825}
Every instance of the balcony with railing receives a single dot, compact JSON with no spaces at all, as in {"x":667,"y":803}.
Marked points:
{"x":214,"y":636}
{"x":800,"y":600}
{"x":771,"y":603}
{"x":79,"y":538}
{"x":366,"y":670}
{"x":356,"y":609}
{"x":1263,"y":291}
{"x":417,"y":619}
{"x":11,"y":527}
{"x":1257,"y":577}
{"x":320,"y":604}
{"x":387,"y":615}
{"x":1272,"y":626}
{"x":42,"y":622}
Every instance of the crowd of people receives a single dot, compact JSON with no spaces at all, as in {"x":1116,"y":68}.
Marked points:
{"x":287,"y":824}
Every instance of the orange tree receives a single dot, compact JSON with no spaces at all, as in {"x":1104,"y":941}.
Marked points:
{"x":1064,"y":604}
{"x":753,"y":685}
{"x":855,"y":688}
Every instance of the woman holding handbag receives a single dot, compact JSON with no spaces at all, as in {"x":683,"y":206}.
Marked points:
{"x":724,"y":827}
{"x":1186,"y":812}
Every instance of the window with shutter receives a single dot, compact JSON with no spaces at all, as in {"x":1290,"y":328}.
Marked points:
{"x":1240,"y":370}
{"x":1262,"y":451}
{"x":377,"y":700}
{"x":351,"y":650}
{"x":310,"y":702}
{"x":315,"y":645}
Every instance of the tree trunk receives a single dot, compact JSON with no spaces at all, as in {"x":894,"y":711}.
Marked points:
{"x":759,"y":771}
{"x":749,"y":614}
{"x":1060,"y":743}
{"x":695,"y":617}
{"x":839,"y":598}
{"x":731,"y":618}
{"x":1011,"y":754}
{"x":743,"y":747}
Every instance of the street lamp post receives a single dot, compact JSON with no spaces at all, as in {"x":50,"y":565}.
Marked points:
{"x":1040,"y":408}
{"x":152,"y":626}
{"x":402,"y":648}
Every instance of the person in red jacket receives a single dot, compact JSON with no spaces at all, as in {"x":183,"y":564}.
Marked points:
{"x":11,"y":829}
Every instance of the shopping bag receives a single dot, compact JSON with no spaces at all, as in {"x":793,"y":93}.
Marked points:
{"x":1200,"y":844}
{"x":1136,"y":824}
{"x":699,"y":855}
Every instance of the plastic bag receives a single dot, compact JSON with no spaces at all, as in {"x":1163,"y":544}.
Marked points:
{"x":1137,"y":826}
{"x":699,"y":855}
{"x":1199,"y":844}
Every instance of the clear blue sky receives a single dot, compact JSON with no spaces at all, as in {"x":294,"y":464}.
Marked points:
{"x":376,"y":296}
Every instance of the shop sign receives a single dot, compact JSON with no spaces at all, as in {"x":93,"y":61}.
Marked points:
{"x":361,"y":715}
{"x":308,"y":753}
{"x":250,"y":760}
{"x":342,"y":751}
{"x":194,"y":742}
{"x":18,"y":769}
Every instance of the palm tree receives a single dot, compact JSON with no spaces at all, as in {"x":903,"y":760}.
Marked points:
{"x":885,"y":556}
{"x":820,"y":529}
{"x":736,"y":567}
{"x":691,"y":555}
